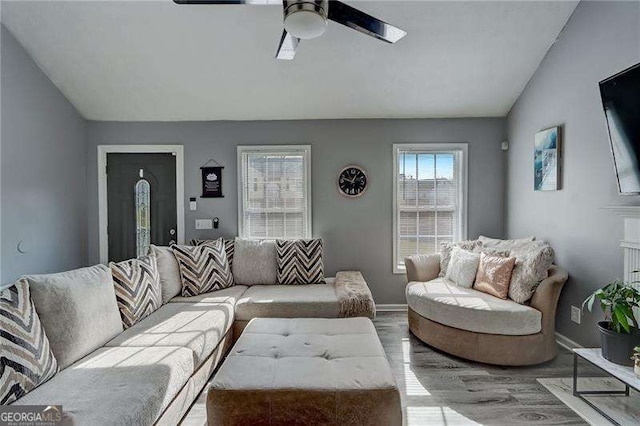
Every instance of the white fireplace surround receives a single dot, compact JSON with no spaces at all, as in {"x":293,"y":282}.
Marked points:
{"x":630,"y":241}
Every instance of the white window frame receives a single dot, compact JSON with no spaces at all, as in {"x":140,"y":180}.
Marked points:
{"x":273,"y":149}
{"x":462,"y":168}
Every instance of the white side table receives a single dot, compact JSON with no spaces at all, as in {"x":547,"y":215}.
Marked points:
{"x":620,"y":372}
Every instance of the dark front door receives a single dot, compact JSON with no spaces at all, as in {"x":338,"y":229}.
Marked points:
{"x":141,"y":197}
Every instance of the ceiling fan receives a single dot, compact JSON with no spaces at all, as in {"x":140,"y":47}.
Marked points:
{"x":307,"y":19}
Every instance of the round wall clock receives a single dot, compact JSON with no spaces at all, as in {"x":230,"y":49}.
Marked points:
{"x":352,"y":181}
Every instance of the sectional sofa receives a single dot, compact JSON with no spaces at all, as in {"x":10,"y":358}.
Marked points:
{"x":152,"y":372}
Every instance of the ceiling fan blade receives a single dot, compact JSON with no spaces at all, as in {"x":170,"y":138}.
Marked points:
{"x":360,"y":21}
{"x":287,"y":46}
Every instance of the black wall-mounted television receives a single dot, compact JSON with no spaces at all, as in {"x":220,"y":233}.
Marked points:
{"x":621,"y":101}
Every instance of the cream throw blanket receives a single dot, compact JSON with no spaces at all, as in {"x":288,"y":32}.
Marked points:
{"x":354,"y":295}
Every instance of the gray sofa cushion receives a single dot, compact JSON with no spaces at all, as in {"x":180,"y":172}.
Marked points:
{"x":467,"y":309}
{"x":289,"y":301}
{"x":196,"y":326}
{"x":169,"y":271}
{"x":117,"y":386}
{"x":77,"y":309}
{"x":254,"y":262}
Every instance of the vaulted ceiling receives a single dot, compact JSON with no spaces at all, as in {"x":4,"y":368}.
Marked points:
{"x":155,"y":60}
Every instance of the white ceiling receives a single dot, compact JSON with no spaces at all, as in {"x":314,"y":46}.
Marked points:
{"x":155,"y":60}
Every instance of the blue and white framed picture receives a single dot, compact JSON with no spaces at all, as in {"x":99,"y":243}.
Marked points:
{"x":547,"y":160}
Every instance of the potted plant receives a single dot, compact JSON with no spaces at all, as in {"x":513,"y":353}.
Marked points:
{"x":636,"y":361}
{"x":619,"y":331}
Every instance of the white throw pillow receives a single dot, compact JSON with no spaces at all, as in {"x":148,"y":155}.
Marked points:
{"x":463,"y":267}
{"x":447,"y":248}
{"x":255,"y":262}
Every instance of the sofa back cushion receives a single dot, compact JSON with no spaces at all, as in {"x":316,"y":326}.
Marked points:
{"x":169,"y":272}
{"x":203,"y":268}
{"x":254,"y":262}
{"x":77,"y":309}
{"x":27,"y":360}
{"x":300,"y":261}
{"x":137,"y":286}
{"x":505,"y":244}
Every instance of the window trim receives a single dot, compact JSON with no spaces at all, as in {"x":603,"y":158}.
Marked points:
{"x":271,"y":149}
{"x":463,"y":170}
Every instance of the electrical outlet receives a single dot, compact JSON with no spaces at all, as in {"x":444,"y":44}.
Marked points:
{"x":575,"y":314}
{"x":204,"y":223}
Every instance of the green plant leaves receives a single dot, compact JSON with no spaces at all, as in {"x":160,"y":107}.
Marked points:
{"x":616,"y":301}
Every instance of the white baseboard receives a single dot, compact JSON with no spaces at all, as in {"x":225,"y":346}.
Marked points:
{"x":391,"y":308}
{"x":565,"y":342}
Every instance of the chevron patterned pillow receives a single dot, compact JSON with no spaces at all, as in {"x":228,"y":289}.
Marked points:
{"x":137,"y":285}
{"x":203,"y":268}
{"x":26,"y":360}
{"x":229,"y":246}
{"x":300,"y":261}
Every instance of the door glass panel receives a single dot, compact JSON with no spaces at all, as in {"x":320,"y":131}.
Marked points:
{"x":143,"y":222}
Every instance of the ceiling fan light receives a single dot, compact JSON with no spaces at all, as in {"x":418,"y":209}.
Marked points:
{"x":305,"y":24}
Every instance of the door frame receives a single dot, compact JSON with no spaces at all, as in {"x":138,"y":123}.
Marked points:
{"x":103,"y":215}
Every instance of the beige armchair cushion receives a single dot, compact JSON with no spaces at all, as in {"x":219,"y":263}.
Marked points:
{"x":467,"y":309}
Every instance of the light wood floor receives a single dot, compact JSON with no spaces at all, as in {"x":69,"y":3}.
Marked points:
{"x":438,"y":389}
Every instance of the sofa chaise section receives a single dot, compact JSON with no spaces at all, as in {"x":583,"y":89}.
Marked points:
{"x":117,"y":385}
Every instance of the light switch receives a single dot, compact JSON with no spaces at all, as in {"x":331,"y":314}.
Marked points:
{"x":204,"y":224}
{"x":192,"y":204}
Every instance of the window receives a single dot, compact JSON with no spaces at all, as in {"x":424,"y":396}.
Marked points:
{"x":429,"y":198}
{"x":142,"y":194}
{"x":274,"y":199}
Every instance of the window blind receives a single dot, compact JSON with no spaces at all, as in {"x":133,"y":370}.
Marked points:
{"x":428,"y":205}
{"x":275,"y":199}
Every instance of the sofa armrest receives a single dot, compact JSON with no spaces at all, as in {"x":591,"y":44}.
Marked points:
{"x":422,"y":267}
{"x":545,"y":298}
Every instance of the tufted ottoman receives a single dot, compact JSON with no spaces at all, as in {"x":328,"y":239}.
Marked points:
{"x":305,"y":371}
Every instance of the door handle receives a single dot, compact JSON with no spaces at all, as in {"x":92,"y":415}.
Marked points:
{"x":172,"y":232}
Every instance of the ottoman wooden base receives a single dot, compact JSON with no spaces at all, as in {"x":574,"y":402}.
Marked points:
{"x":305,"y":371}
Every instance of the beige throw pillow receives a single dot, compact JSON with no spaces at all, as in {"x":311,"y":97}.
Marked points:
{"x":463,"y":267}
{"x":532,"y":266}
{"x":494,"y":275}
{"x":505,"y":244}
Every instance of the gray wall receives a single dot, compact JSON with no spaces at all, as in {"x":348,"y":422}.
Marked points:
{"x":357,"y":233}
{"x":43,"y":168}
{"x":600,"y":39}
